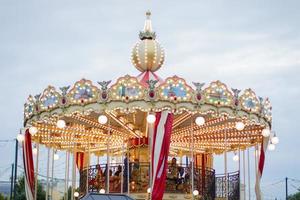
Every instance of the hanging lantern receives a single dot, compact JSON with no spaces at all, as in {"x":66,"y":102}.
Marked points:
{"x":149,"y":190}
{"x":239,"y":126}
{"x":76,"y":194}
{"x":271,"y":147}
{"x":102,"y":119}
{"x":266,"y":132}
{"x":56,"y":156}
{"x":235,"y":158}
{"x":200,"y":121}
{"x":102,"y":191}
{"x":151,"y":118}
{"x":33,"y":130}
{"x":61,"y":124}
{"x":195,"y":192}
{"x":34,"y":150}
{"x":20,"y":138}
{"x":275,"y":140}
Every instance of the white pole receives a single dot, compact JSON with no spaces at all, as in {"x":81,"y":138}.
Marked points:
{"x":87,"y":168}
{"x":122,"y":174}
{"x":128,"y":160}
{"x":52,"y":173}
{"x":192,"y":157}
{"x":240,"y":171}
{"x":249,"y":190}
{"x":225,"y":168}
{"x":36,"y":171}
{"x":66,"y":176}
{"x":107,"y":159}
{"x":73,"y":174}
{"x":150,"y":141}
{"x":255,"y":159}
{"x":47,"y":179}
{"x":244,"y":173}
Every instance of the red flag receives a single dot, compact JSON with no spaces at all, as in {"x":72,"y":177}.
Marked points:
{"x":28,"y":166}
{"x":261,"y":163}
{"x":160,"y":151}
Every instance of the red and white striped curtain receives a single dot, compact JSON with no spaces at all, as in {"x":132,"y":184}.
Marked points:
{"x":261,"y":163}
{"x":160,"y":150}
{"x":28,"y":166}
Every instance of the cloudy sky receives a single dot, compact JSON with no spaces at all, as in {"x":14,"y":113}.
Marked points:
{"x":246,"y":44}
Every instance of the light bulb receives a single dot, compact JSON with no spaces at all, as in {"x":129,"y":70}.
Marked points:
{"x":275,"y":140}
{"x":76,"y":194}
{"x":102,"y":191}
{"x":195,"y":192}
{"x":266,"y":132}
{"x":149,"y":190}
{"x":61,"y":123}
{"x":271,"y":147}
{"x":235,"y":158}
{"x":20,"y":138}
{"x":151,"y":118}
{"x":34,"y":151}
{"x":56,"y":156}
{"x":102,"y":119}
{"x":200,"y":121}
{"x":239,"y":126}
{"x":33,"y":130}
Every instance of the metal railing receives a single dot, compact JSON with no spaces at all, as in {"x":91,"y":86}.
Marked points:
{"x":233,"y":184}
{"x":178,"y":180}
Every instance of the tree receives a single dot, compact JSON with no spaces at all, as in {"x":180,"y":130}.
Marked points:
{"x":295,"y":196}
{"x":20,"y":190}
{"x":2,"y":197}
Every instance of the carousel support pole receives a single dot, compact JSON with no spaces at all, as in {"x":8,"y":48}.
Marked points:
{"x":66,"y":176}
{"x":225,"y":168}
{"x":248,"y":159}
{"x":122,"y":176}
{"x":47,"y":178}
{"x":73,"y":175}
{"x":150,"y":134}
{"x":240,"y":172}
{"x":192,"y":157}
{"x":36,"y":171}
{"x":226,"y":175}
{"x":128,"y":160}
{"x":52,"y":173}
{"x":107,"y":159}
{"x":255,"y":159}
{"x":244,"y":173}
{"x":87,"y":169}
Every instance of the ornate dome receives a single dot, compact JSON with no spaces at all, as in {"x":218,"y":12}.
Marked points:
{"x":147,"y":54}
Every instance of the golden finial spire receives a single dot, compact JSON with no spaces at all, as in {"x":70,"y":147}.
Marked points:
{"x":148,"y":23}
{"x":147,"y":32}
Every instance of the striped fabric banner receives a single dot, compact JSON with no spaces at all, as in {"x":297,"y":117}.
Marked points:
{"x":148,"y":75}
{"x":80,"y":160}
{"x":28,"y":166}
{"x":261,"y":163}
{"x":160,"y":150}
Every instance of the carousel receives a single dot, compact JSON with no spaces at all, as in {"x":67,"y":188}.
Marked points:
{"x":145,"y":136}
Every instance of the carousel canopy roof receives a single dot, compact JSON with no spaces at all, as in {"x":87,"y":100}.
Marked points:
{"x":231,"y":119}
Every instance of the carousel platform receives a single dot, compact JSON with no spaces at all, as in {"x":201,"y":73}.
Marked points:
{"x":97,"y":196}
